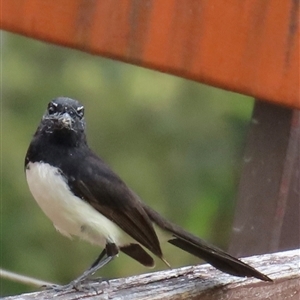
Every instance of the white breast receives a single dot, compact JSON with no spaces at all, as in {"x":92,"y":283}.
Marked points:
{"x":70,"y":214}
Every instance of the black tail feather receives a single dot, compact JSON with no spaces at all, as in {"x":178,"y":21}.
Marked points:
{"x":219,"y":259}
{"x":213,"y":255}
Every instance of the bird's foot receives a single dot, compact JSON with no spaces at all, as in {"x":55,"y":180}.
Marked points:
{"x":67,"y":288}
{"x":85,"y":286}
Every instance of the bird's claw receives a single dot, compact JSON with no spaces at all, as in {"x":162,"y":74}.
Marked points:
{"x":75,"y":285}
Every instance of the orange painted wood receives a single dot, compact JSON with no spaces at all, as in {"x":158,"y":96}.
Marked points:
{"x":249,"y":46}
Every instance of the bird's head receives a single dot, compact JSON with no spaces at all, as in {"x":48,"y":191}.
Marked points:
{"x":64,"y":114}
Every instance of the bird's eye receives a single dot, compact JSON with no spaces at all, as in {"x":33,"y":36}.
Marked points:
{"x":52,"y":108}
{"x":80,"y":111}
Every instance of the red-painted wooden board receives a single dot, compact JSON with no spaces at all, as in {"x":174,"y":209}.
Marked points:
{"x":249,"y":46}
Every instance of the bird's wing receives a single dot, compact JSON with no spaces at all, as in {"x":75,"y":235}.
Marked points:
{"x":108,"y":194}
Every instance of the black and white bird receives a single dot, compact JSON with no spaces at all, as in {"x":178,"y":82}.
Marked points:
{"x":83,"y":197}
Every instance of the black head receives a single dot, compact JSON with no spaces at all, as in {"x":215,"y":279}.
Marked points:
{"x":64,"y":114}
{"x":60,"y":133}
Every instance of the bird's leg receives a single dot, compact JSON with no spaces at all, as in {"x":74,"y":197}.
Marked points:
{"x":111,"y":251}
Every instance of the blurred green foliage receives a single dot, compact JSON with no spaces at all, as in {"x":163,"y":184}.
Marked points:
{"x":177,"y":143}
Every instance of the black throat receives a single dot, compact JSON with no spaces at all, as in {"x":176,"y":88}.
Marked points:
{"x":56,"y":146}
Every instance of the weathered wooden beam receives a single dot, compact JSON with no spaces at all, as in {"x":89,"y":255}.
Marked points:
{"x":196,"y":282}
{"x":267,"y":217}
{"x":251,"y":47}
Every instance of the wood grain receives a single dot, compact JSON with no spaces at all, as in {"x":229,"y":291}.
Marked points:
{"x":197,"y":282}
{"x":250,"y":46}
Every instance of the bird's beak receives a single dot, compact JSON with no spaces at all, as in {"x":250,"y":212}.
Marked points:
{"x":66,"y":120}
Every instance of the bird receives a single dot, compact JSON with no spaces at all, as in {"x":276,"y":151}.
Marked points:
{"x":84,"y":197}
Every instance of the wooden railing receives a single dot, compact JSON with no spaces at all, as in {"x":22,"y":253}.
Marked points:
{"x":196,"y":282}
{"x":251,"y":47}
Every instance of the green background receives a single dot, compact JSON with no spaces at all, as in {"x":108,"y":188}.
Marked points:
{"x":177,"y":143}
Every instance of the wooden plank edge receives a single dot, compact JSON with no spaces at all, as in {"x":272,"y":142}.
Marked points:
{"x":197,"y":281}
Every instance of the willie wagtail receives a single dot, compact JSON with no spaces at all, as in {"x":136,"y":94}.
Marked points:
{"x":83,"y":197}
